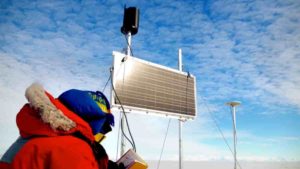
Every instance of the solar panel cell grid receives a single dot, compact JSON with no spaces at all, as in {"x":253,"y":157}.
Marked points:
{"x":143,"y":85}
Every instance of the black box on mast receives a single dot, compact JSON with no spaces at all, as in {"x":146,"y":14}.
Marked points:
{"x":130,"y":21}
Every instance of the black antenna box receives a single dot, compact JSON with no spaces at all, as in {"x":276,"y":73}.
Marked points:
{"x":130,"y":21}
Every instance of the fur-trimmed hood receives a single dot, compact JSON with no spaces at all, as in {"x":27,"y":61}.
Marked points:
{"x":46,"y":116}
{"x":39,"y":101}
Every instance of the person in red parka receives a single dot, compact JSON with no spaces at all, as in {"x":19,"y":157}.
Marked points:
{"x":61,"y":133}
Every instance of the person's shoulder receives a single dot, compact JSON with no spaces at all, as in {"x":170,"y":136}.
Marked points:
{"x":67,"y":149}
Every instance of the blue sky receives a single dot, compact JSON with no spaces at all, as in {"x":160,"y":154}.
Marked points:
{"x":238,"y":50}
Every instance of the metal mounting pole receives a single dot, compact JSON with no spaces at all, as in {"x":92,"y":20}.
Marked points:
{"x":234,"y":134}
{"x":128,"y":53}
{"x":180,"y":120}
{"x":129,"y":44}
{"x":180,"y":144}
{"x":122,"y":136}
{"x":233,"y":105}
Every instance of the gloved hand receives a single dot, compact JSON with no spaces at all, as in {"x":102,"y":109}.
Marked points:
{"x":114,"y":165}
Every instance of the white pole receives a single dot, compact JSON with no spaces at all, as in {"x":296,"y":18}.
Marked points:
{"x":234,"y":134}
{"x":122,"y":136}
{"x":233,"y":105}
{"x":180,"y":121}
{"x":180,"y":144}
{"x":180,"y":60}
{"x":129,"y":44}
{"x":128,"y":53}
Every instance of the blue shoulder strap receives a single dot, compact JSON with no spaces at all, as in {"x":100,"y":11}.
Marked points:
{"x":13,"y":150}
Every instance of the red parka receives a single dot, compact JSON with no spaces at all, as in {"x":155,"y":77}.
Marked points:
{"x":52,"y":131}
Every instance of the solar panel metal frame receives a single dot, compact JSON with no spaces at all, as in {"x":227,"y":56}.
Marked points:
{"x":120,"y":67}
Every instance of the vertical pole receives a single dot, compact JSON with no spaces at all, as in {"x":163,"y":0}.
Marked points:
{"x":128,"y":44}
{"x":180,"y":144}
{"x":232,"y":106}
{"x":180,"y":121}
{"x":122,"y":136}
{"x":180,"y":60}
{"x":128,"y":53}
{"x":234,"y":134}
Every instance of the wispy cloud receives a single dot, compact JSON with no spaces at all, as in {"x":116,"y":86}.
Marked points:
{"x":245,"y":50}
{"x":252,"y":49}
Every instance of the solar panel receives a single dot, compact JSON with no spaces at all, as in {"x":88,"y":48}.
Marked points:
{"x":142,"y":86}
